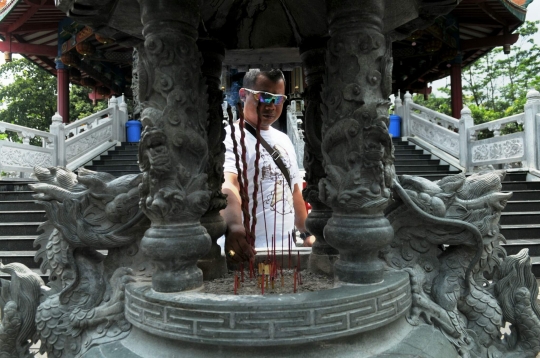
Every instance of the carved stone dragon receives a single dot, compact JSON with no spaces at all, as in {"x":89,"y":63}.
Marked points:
{"x":83,"y":303}
{"x":447,"y":236}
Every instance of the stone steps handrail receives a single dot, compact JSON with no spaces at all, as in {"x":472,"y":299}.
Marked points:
{"x":66,"y":144}
{"x":497,"y":125}
{"x":435,"y":117}
{"x":458,"y":138}
{"x":21,"y":157}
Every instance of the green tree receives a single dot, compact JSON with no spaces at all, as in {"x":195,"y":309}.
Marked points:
{"x":28,"y":97}
{"x":496,"y":85}
{"x":80,"y":105}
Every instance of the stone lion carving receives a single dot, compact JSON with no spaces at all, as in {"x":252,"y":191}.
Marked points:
{"x":447,"y":236}
{"x":82,"y":305}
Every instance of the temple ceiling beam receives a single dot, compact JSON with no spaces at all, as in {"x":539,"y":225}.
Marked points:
{"x":28,"y":49}
{"x":491,"y":41}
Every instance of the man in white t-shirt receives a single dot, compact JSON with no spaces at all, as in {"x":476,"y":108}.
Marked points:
{"x":279,"y":207}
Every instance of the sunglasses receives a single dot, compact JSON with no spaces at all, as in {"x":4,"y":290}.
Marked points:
{"x":267,"y":98}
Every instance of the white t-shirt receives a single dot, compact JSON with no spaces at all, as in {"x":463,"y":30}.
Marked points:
{"x":275,"y":205}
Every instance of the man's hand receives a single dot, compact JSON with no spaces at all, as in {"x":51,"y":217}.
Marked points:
{"x":235,"y":241}
{"x":309,"y":241}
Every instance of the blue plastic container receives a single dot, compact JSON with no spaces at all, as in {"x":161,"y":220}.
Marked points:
{"x":395,"y":126}
{"x":133,"y":128}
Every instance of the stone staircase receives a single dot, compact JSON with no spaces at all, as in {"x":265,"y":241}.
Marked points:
{"x":520,"y":220}
{"x":20,"y":216}
{"x":121,"y":161}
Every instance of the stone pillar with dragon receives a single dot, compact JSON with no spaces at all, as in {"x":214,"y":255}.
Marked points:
{"x":173,"y":152}
{"x":356,"y":148}
{"x":323,"y":256}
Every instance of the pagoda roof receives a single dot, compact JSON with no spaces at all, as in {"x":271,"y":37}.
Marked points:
{"x":465,"y":29}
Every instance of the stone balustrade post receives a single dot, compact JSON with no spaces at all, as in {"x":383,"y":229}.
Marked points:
{"x":356,"y":146}
{"x":465,"y":122}
{"x":532,"y":129}
{"x":323,"y":256}
{"x":26,"y":137}
{"x":173,"y":152}
{"x":124,"y":117}
{"x":57,"y":129}
{"x":406,"y":115}
{"x":113,"y":105}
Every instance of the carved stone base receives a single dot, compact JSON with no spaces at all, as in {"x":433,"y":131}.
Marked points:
{"x":323,"y":256}
{"x":345,"y":322}
{"x":397,"y":339}
{"x":175,"y":250}
{"x":322,"y":264}
{"x":213,"y":265}
{"x":358,"y":240}
{"x":270,"y":320}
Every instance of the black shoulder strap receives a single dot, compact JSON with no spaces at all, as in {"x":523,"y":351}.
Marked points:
{"x":276,"y":156}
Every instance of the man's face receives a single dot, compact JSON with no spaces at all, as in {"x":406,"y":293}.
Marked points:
{"x":266,"y":113}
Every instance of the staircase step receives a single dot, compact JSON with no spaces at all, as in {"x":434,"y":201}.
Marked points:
{"x":535,"y":260}
{"x":22,"y":216}
{"x":512,"y":247}
{"x":513,"y":232}
{"x":421,"y":168}
{"x":522,"y":205}
{"x":37,"y":271}
{"x":116,"y":161}
{"x":400,"y":157}
{"x":520,"y":185}
{"x":400,"y":147}
{"x":17,"y":243}
{"x":19,"y":228}
{"x":16,"y":195}
{"x":15,"y":186}
{"x":130,"y":148}
{"x":111,"y":155}
{"x":519,"y":176}
{"x":409,"y":151}
{"x":415,"y":162}
{"x":522,"y":195}
{"x":19,"y":205}
{"x":23,"y":257}
{"x":520,"y":218}
{"x":106,"y":168}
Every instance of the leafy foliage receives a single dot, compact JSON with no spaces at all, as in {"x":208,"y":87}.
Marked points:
{"x":496,"y":85}
{"x":28,"y":97}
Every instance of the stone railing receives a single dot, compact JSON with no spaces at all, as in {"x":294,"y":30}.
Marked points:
{"x":70,"y":145}
{"x":459,"y":138}
{"x":296,"y":135}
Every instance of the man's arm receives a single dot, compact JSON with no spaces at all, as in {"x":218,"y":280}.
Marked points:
{"x":300,"y":214}
{"x":235,"y":237}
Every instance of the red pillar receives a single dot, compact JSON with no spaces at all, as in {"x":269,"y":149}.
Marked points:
{"x":456,"y":91}
{"x":62,"y":85}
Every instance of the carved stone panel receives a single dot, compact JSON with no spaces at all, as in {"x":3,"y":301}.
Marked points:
{"x":24,"y":158}
{"x":498,"y":151}
{"x":436,"y":135}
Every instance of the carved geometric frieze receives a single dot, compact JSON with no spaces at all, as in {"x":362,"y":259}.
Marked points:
{"x":26,"y":158}
{"x":501,"y":150}
{"x":436,"y":135}
{"x":268,"y":320}
{"x":79,"y":146}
